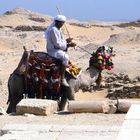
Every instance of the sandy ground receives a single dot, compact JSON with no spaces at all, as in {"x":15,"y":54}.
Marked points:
{"x":69,"y":118}
{"x":66,"y":118}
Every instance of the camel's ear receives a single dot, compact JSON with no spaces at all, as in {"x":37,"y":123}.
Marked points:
{"x":103,"y":48}
{"x":24,"y":48}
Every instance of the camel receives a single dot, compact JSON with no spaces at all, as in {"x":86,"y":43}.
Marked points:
{"x":38,"y":76}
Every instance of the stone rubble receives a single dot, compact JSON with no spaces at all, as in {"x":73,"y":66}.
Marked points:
{"x":119,"y":86}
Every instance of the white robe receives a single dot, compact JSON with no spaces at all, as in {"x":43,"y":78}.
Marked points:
{"x":56,"y":44}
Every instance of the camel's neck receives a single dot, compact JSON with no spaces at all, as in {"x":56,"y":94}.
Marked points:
{"x":88,"y":77}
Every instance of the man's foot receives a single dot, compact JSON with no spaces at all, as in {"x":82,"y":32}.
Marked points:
{"x":64,"y":82}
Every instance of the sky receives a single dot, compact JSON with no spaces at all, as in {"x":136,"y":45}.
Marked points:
{"x":83,"y":10}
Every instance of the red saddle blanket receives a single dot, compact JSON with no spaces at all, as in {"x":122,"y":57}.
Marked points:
{"x":44,"y":70}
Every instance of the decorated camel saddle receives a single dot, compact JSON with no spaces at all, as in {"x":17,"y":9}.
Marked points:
{"x":73,"y":70}
{"x":43,"y":73}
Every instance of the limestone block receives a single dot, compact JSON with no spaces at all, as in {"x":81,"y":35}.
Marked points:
{"x":125,"y":104}
{"x":36,"y":106}
{"x":90,"y":106}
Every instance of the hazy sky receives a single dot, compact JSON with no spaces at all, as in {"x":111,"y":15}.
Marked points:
{"x":107,"y":10}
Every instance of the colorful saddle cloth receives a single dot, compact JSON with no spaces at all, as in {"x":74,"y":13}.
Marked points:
{"x":44,"y":71}
{"x":73,"y":70}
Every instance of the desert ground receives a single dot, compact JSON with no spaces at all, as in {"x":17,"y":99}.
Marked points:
{"x":21,"y":27}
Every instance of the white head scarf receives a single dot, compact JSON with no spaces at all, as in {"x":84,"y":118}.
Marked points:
{"x":60,"y":18}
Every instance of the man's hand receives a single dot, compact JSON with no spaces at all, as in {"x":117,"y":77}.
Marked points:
{"x":69,"y":40}
{"x":72,"y":44}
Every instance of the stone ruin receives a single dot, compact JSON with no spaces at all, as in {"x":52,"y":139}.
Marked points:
{"x":119,"y":86}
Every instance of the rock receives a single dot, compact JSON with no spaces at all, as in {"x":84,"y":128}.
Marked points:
{"x":138,"y":94}
{"x":129,"y":86}
{"x":124,"y":105}
{"x":119,"y":89}
{"x":90,"y":107}
{"x":111,"y":95}
{"x":37,"y":106}
{"x":126,"y":78}
{"x":112,"y":105}
{"x":37,"y":19}
{"x":135,"y":80}
{"x":126,"y":82}
{"x":2,"y":111}
{"x":29,"y":28}
{"x":103,"y":85}
{"x":132,"y":95}
{"x":113,"y":109}
{"x":137,"y":86}
{"x":138,"y":78}
{"x":118,"y":84}
{"x":123,"y":87}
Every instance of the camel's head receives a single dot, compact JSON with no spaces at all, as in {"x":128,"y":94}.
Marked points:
{"x":105,"y":50}
{"x":101,"y":58}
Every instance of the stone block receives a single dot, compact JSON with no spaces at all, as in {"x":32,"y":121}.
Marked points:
{"x":125,"y":104}
{"x":91,"y":107}
{"x":37,"y":106}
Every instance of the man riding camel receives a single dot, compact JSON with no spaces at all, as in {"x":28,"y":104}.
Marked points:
{"x":57,"y":45}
